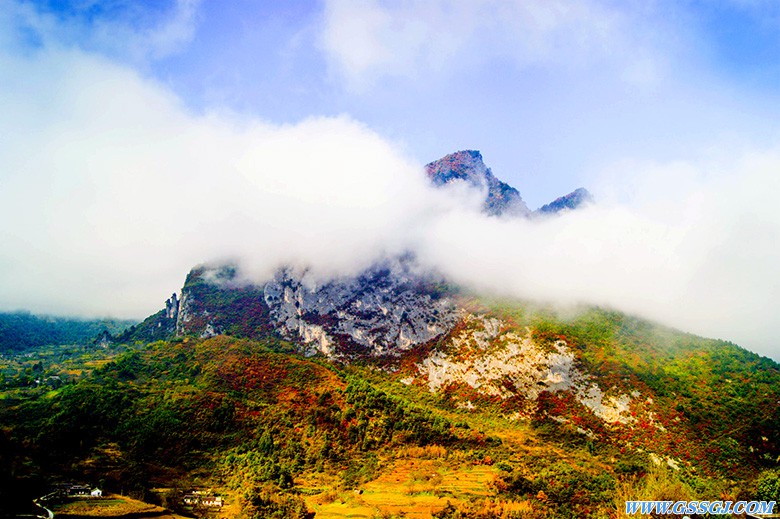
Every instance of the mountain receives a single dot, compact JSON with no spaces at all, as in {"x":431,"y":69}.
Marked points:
{"x":501,"y":199}
{"x":467,"y":166}
{"x":395,"y":391}
{"x":386,"y":310}
{"x":601,"y":373}
{"x":573,"y":200}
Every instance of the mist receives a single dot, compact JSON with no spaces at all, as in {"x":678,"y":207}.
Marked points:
{"x":112,"y":189}
{"x":689,"y":248}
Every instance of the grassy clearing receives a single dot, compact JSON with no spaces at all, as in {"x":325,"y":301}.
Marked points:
{"x":415,"y":488}
{"x":112,"y":506}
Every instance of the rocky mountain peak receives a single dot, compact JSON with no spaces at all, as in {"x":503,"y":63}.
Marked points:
{"x":573,"y":200}
{"x":468,"y":166}
{"x":462,"y":165}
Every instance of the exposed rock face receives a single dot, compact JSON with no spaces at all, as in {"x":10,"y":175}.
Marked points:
{"x":213,"y":301}
{"x":156,"y":327}
{"x":496,"y":361}
{"x":383,"y":311}
{"x":467,"y":166}
{"x":573,"y":200}
{"x":172,"y":307}
{"x":386,"y":311}
{"x":104,"y":340}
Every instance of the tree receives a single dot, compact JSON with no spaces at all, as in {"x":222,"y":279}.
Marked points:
{"x":768,"y":485}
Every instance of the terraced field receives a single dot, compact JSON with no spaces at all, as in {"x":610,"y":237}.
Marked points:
{"x":414,"y":487}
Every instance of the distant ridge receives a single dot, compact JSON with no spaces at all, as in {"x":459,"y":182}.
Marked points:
{"x":21,"y":331}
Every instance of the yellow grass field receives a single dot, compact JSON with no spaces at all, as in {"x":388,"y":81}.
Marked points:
{"x":413,"y":487}
{"x":109,"y":506}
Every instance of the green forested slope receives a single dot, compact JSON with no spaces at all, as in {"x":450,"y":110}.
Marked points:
{"x":20,"y":331}
{"x":282,"y":434}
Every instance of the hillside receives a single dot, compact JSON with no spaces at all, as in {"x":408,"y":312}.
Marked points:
{"x":600,"y":372}
{"x":392,"y":393}
{"x":512,"y":410}
{"x":20,"y":331}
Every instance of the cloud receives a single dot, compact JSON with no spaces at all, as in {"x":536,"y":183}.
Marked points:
{"x":695,"y":246}
{"x":111,"y":190}
{"x":126,"y":30}
{"x":422,"y":39}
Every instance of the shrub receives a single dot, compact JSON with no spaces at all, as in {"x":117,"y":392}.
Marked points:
{"x":768,"y":485}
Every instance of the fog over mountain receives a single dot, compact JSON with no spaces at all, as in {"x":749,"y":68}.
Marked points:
{"x":112,"y":189}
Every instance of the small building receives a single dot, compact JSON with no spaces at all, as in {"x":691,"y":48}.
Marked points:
{"x":96,"y":492}
{"x":79,"y":490}
{"x":211,"y":501}
{"x":199,"y":497}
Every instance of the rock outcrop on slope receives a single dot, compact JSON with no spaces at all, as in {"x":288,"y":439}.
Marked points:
{"x":384,"y":311}
{"x":495,"y":360}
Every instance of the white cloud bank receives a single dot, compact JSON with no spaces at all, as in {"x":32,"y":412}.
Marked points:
{"x":110,"y":190}
{"x":690,"y":247}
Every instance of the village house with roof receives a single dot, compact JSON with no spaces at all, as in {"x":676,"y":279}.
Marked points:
{"x":203,"y":498}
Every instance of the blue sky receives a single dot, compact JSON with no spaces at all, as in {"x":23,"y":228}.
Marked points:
{"x":549,"y":91}
{"x":546,"y":111}
{"x":141,"y":138}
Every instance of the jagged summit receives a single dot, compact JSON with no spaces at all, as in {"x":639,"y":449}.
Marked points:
{"x":467,"y":165}
{"x":573,"y":200}
{"x":461,"y":165}
{"x":501,"y":199}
